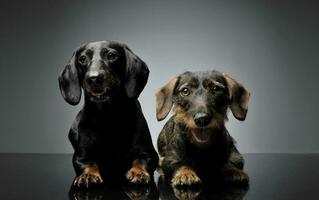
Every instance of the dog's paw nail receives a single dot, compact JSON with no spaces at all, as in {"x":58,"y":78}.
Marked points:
{"x":99,"y":180}
{"x":137,"y":176}
{"x":237,"y":177}
{"x":185,"y":176}
{"x":87,"y":180}
{"x":75,"y":183}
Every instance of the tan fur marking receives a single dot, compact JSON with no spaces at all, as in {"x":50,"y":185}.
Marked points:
{"x":138,"y":174}
{"x":185,"y":176}
{"x":90,"y":175}
{"x":164,"y":100}
{"x":160,"y":162}
{"x":239,"y":109}
{"x":92,"y":171}
{"x":185,"y":118}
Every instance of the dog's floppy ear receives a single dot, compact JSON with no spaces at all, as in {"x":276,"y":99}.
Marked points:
{"x":136,"y":74}
{"x":239,"y":98}
{"x":69,"y":82}
{"x":164,"y":99}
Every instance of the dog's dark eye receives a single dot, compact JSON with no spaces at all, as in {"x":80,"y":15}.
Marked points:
{"x":185,"y":92}
{"x":111,"y":56}
{"x":217,"y":89}
{"x":83,"y":60}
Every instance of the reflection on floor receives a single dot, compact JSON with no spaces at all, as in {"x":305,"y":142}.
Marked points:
{"x":49,"y":176}
{"x":162,"y":191}
{"x":115,"y":192}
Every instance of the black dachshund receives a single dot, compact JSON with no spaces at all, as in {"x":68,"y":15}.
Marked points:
{"x":110,"y":136}
{"x":194,"y":144}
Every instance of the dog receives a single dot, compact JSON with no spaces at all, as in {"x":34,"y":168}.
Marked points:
{"x":110,"y":135}
{"x":194,"y":145}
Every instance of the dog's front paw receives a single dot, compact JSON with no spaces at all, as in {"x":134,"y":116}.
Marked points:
{"x":137,"y":175}
{"x":185,"y":176}
{"x":236,"y":176}
{"x":88,"y":178}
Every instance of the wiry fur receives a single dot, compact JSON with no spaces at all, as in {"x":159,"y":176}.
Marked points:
{"x":184,"y":160}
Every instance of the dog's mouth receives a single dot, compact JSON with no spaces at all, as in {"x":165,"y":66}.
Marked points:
{"x":200,"y":135}
{"x":100,"y":95}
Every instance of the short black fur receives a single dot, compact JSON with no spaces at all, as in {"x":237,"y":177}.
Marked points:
{"x":110,"y":135}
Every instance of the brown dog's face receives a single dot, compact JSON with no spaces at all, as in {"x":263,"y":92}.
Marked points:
{"x":201,"y":101}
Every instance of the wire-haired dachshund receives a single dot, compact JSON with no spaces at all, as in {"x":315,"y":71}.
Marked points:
{"x":110,"y":136}
{"x":194,"y":144}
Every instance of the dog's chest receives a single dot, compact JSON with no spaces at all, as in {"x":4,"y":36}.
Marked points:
{"x":106,"y":133}
{"x":210,"y":157}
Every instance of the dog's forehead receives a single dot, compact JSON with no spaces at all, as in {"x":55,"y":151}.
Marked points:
{"x":98,"y":45}
{"x":216,"y":76}
{"x":189,"y":78}
{"x":196,"y":79}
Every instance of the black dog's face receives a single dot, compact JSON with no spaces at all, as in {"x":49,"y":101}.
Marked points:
{"x":102,"y":69}
{"x":101,"y":66}
{"x":201,"y":101}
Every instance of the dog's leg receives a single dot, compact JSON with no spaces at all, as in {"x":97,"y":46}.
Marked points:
{"x":235,"y":157}
{"x":233,"y":170}
{"x":143,"y":156}
{"x":173,"y":162}
{"x":90,"y":176}
{"x":138,"y":173}
{"x":87,"y":171}
{"x":179,"y":171}
{"x":233,"y":175}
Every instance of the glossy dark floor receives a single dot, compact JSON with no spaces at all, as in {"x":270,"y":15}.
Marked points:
{"x":273,"y":176}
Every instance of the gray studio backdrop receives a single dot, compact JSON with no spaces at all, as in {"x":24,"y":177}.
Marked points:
{"x":269,"y":46}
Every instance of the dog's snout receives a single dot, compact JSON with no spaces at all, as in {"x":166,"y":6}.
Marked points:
{"x":94,"y":79}
{"x":202,"y":119}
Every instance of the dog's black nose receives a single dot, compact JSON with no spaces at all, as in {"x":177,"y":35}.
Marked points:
{"x":202,"y":119}
{"x":95,"y":80}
